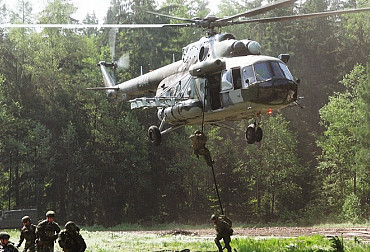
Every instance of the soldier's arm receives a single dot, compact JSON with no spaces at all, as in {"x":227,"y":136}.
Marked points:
{"x":57,"y":231}
{"x":57,"y":228}
{"x":21,"y":239}
{"x":62,"y":240}
{"x":39,"y":232}
{"x":82,"y":244}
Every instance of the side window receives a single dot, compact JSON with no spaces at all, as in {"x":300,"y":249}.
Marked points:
{"x":203,"y":53}
{"x":248,"y":76}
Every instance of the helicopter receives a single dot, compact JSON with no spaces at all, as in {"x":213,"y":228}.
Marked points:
{"x":218,"y":79}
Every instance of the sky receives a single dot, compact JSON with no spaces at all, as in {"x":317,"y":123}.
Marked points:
{"x":100,"y":7}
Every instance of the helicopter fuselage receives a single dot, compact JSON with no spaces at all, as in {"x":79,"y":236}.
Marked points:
{"x":246,"y":86}
{"x":218,"y":79}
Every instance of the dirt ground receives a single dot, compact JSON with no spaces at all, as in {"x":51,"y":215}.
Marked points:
{"x":363,"y":234}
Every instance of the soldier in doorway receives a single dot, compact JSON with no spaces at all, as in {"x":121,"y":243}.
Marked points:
{"x":47,"y":232}
{"x":28,"y":233}
{"x":5,"y":244}
{"x":70,"y":239}
{"x":198,"y":141}
{"x":223,"y":228}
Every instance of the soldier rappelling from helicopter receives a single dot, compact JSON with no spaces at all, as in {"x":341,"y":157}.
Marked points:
{"x":198,"y":141}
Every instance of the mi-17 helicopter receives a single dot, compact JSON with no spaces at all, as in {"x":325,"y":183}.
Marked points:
{"x":218,"y":79}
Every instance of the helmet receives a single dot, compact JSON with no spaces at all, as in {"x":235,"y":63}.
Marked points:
{"x":213,"y":217}
{"x":71,"y":226}
{"x":50,"y":214}
{"x":4,"y":236}
{"x":25,"y":219}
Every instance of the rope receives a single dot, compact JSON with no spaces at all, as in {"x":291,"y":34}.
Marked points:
{"x":218,"y":194}
{"x":213,"y":170}
{"x":204,"y":105}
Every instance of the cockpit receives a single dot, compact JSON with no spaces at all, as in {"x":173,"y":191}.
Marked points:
{"x":273,"y":77}
{"x":259,"y":72}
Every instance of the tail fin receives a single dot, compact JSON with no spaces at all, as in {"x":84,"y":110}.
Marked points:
{"x":109,"y":83}
{"x":107,"y":78}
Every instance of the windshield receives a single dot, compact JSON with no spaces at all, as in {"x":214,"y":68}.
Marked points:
{"x":265,"y":71}
{"x":262,"y":72}
{"x":286,"y":71}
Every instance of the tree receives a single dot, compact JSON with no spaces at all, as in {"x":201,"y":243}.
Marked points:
{"x":343,"y":147}
{"x":277,"y":173}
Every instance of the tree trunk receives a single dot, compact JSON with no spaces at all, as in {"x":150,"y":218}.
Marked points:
{"x":354,"y":183}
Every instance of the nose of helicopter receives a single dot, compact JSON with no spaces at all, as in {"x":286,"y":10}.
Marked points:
{"x":276,"y":91}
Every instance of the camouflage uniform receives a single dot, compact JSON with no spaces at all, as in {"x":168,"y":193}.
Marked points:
{"x":198,"y":141}
{"x":6,"y":247}
{"x":70,"y":240}
{"x":28,"y":233}
{"x":224,"y":231}
{"x":47,"y":232}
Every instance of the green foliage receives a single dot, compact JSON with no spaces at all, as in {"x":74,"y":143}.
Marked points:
{"x":351,"y":209}
{"x":343,"y":118}
{"x":337,"y":243}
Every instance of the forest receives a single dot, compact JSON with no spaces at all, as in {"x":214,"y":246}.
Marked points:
{"x":69,"y":149}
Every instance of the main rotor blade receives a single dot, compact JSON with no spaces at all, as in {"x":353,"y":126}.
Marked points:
{"x":98,"y":26}
{"x":168,"y":16}
{"x":302,"y":16}
{"x":260,"y":10}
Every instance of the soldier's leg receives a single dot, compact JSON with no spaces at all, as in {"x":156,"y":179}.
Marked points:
{"x":218,"y":244}
{"x":227,"y":241}
{"x":207,"y":157}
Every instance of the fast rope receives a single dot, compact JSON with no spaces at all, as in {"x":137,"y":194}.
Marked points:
{"x":218,"y":194}
{"x":213,"y":170}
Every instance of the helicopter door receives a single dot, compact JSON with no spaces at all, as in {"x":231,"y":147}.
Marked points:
{"x":214,"y":87}
{"x":237,"y":81}
{"x":200,"y":84}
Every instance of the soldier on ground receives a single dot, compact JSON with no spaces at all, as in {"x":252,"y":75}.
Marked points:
{"x":28,"y":233}
{"x":224,"y":231}
{"x":47,"y":232}
{"x":5,"y":244}
{"x":198,"y":141}
{"x":70,"y":239}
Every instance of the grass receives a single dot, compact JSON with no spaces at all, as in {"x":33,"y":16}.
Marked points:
{"x":114,"y":241}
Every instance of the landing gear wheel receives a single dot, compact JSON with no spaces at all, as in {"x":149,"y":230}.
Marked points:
{"x":154,"y":135}
{"x":250,"y":135}
{"x":259,"y":134}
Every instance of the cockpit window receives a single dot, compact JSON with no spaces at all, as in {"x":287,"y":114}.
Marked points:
{"x":286,"y":71}
{"x":276,"y":70}
{"x":259,"y":72}
{"x":262,"y":72}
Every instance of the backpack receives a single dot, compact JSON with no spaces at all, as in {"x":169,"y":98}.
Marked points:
{"x":226,"y":219}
